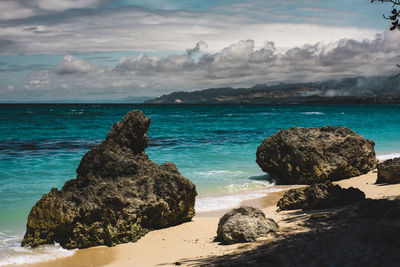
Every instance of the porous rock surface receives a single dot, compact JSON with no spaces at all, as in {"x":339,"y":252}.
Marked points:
{"x":244,"y":224}
{"x":319,"y":196}
{"x":118,"y":195}
{"x":389,"y":171}
{"x":311,"y":155}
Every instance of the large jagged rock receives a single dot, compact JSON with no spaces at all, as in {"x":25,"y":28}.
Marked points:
{"x":389,"y":171}
{"x":319,"y":196}
{"x":312,"y":155}
{"x":244,"y":224}
{"x":118,"y":195}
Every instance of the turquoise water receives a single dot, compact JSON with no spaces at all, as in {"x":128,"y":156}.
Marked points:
{"x":214,"y":146}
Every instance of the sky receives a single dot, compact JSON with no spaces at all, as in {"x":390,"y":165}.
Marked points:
{"x":68,"y":50}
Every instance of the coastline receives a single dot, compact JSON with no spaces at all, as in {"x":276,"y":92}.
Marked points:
{"x":190,"y":242}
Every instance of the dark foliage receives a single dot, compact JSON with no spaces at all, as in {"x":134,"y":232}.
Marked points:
{"x":395,"y":14}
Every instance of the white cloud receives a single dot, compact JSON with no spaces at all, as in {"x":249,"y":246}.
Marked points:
{"x":20,"y":9}
{"x":39,"y":80}
{"x":12,"y":9}
{"x":72,"y":65}
{"x":61,"y":5}
{"x":241,"y":64}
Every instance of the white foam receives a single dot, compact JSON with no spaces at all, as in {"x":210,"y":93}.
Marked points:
{"x":248,"y":186}
{"x":312,"y":113}
{"x":177,"y":116}
{"x":11,"y":252}
{"x":205,"y":204}
{"x":218,"y":173}
{"x":388,"y":156}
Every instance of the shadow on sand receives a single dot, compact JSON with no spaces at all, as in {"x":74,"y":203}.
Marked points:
{"x":364,"y":234}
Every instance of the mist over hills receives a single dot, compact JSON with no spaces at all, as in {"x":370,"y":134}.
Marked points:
{"x":349,"y":90}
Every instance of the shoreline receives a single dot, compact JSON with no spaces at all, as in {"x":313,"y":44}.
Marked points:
{"x":192,"y":241}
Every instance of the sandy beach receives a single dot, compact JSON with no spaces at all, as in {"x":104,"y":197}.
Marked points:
{"x":187,"y":244}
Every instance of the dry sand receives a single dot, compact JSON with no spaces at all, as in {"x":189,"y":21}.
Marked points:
{"x":188,"y":242}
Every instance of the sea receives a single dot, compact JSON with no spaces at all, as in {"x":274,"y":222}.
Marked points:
{"x":214,"y":146}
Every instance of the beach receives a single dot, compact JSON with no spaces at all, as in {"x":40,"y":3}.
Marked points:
{"x":188,"y":244}
{"x":215,"y":147}
{"x":199,"y":133}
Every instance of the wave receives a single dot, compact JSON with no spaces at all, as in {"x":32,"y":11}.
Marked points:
{"x":206,"y":204}
{"x":312,"y":113}
{"x":383,"y":157}
{"x":219,"y":173}
{"x":11,"y":252}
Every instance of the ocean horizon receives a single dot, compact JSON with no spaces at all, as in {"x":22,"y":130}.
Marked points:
{"x":213,"y":145}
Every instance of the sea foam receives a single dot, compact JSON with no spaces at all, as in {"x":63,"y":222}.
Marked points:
{"x":384,"y":157}
{"x":206,"y":204}
{"x":11,"y":252}
{"x":312,"y":113}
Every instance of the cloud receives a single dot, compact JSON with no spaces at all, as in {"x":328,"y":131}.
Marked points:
{"x":135,"y":29}
{"x":61,"y":5}
{"x":243,"y":61}
{"x":72,"y":65}
{"x":13,"y":9}
{"x":201,"y":45}
{"x":21,"y":9}
{"x":5,"y":44}
{"x":241,"y":64}
{"x":39,"y":80}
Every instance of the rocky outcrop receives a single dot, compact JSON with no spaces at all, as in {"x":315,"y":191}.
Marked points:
{"x":311,"y":155}
{"x":244,"y":224}
{"x":319,"y":196}
{"x":118,"y":195}
{"x":389,"y":171}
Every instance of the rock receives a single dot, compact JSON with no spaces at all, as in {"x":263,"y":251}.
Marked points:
{"x":319,"y":196}
{"x":118,"y":195}
{"x":389,"y":171}
{"x":311,"y":155}
{"x":244,"y":224}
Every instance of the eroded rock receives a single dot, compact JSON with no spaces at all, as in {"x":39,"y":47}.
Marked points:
{"x":244,"y":224}
{"x":319,"y":196}
{"x":389,"y":171}
{"x":118,"y":195}
{"x":311,"y":155}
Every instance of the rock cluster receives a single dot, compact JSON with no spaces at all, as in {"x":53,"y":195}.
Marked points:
{"x":365,"y":233}
{"x":118,"y":195}
{"x":319,"y":196}
{"x":389,"y":171}
{"x":311,"y":155}
{"x":244,"y":224}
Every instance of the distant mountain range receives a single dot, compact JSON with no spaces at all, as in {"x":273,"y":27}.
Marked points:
{"x":345,"y":91}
